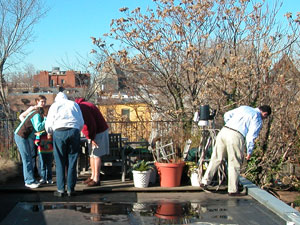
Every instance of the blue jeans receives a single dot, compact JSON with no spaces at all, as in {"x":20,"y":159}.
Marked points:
{"x":46,"y":166}
{"x":27,"y":151}
{"x":66,"y":144}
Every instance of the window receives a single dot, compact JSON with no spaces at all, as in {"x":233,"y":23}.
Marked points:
{"x":126,"y":114}
{"x":62,"y":81}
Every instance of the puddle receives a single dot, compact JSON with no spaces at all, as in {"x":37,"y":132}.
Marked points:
{"x":164,"y":212}
{"x":158,"y":212}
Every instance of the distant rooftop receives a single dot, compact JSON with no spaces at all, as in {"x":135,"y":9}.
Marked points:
{"x":57,"y":71}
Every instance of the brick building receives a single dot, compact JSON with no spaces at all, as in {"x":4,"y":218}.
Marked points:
{"x":21,"y":101}
{"x":66,"y":79}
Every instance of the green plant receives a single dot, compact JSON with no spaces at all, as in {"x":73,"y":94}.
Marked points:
{"x":141,"y":166}
{"x":297,"y":201}
{"x":192,"y":167}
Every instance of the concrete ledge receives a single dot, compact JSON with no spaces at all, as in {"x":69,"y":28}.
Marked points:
{"x":289,"y":214}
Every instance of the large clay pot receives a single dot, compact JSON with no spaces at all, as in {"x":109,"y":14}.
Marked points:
{"x":170,"y":173}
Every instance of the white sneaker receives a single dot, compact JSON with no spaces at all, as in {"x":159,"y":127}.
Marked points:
{"x":32,"y":186}
{"x":50,"y":182}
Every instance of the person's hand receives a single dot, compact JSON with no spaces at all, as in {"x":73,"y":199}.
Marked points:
{"x":49,"y":136}
{"x":248,"y":157}
{"x":94,"y":144}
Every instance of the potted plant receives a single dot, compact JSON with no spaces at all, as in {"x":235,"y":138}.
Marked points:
{"x":193,"y":173}
{"x":141,"y":174}
{"x":168,"y":164}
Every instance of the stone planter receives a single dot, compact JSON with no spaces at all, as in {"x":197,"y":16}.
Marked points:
{"x":141,"y":178}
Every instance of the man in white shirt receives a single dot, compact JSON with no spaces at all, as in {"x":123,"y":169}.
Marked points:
{"x":242,"y":127}
{"x":64,"y":122}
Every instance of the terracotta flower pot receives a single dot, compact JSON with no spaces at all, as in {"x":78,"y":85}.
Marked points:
{"x":169,"y":210}
{"x":170,"y":173}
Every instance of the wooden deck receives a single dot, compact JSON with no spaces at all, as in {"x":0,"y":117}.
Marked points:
{"x":107,"y":185}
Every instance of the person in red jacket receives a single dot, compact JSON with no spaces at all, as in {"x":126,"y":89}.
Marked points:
{"x":95,"y":129}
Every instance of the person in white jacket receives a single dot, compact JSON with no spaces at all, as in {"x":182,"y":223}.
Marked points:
{"x":64,"y":123}
{"x":242,"y":127}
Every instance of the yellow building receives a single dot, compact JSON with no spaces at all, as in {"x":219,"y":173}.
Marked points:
{"x":132,"y":119}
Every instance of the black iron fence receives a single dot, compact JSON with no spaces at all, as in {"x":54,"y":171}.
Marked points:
{"x":8,"y":148}
{"x":145,"y":130}
{"x":130,"y":131}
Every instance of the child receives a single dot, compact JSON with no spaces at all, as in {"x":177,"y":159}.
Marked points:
{"x":45,"y":151}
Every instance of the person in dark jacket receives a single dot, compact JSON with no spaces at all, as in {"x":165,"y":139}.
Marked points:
{"x":24,"y":137}
{"x":95,"y":129}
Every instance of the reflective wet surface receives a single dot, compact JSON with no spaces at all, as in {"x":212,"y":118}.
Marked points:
{"x":147,"y":208}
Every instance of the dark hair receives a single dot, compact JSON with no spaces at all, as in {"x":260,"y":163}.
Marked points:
{"x":266,"y":108}
{"x":41,"y":111}
{"x":46,"y":109}
{"x":40,"y":97}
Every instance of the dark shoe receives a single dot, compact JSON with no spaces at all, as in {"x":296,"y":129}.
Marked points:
{"x":237,"y":194}
{"x":203,"y":186}
{"x":49,"y":182}
{"x":87,"y":180}
{"x":240,"y":187}
{"x":71,"y":193}
{"x":93,"y":183}
{"x":58,"y":194}
{"x":42,"y":181}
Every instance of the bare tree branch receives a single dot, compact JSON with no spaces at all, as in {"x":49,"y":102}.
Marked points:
{"x":17,"y":20}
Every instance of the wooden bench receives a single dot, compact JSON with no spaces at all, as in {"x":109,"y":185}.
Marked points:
{"x":137,"y":150}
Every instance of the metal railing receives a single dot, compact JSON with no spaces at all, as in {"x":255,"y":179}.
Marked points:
{"x":8,"y":148}
{"x":131,"y":131}
{"x":145,"y":130}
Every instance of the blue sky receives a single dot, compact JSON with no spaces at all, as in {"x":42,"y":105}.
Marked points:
{"x":66,"y":30}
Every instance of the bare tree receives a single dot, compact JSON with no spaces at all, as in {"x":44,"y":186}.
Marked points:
{"x":92,"y":64}
{"x":23,"y":79}
{"x":185,"y":53}
{"x":181,"y":55}
{"x":17,"y":20}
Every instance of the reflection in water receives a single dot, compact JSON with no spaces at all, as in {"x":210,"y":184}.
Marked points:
{"x":162,"y":212}
{"x":169,"y":210}
{"x":95,"y":212}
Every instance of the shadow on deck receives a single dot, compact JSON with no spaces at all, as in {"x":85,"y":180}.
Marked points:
{"x":108,"y":184}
